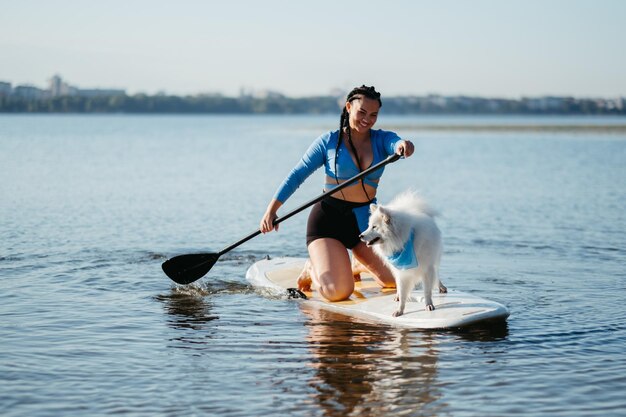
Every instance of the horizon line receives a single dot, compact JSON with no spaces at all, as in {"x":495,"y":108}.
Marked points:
{"x":245,"y":91}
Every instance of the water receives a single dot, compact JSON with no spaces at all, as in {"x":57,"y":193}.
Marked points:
{"x":90,"y":206}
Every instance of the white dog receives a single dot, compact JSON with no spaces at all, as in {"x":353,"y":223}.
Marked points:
{"x":405,"y":235}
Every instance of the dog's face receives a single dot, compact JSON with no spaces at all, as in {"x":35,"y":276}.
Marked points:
{"x":379,"y":226}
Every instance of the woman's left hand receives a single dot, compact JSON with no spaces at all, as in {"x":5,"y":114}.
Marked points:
{"x":405,"y":148}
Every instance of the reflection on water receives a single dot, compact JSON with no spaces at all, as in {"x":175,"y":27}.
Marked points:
{"x":364,"y":369}
{"x":490,"y":331}
{"x":187,"y":309}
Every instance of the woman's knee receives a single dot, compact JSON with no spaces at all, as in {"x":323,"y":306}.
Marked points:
{"x":336,"y":290}
{"x":333,"y":274}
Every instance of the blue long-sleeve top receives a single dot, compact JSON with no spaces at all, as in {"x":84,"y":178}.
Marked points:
{"x":322,"y":152}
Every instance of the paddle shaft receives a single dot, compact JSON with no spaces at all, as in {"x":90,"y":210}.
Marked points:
{"x":388,"y":160}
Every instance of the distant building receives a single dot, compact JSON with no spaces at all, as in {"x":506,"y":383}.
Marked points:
{"x":5,"y":88}
{"x":57,"y":88}
{"x":493,"y":105}
{"x":612,"y":104}
{"x":544,"y":103}
{"x":29,"y":92}
{"x":437,"y":100}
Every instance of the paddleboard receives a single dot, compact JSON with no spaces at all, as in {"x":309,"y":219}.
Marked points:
{"x":372,"y":303}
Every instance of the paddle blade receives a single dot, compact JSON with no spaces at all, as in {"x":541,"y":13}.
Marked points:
{"x":185,"y":269}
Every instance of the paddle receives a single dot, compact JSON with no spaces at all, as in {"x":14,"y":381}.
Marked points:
{"x":185,"y":269}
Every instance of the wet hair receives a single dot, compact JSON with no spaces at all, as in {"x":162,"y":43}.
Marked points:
{"x":357,"y":93}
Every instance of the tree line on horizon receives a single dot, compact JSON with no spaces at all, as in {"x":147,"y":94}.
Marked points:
{"x":217,"y":104}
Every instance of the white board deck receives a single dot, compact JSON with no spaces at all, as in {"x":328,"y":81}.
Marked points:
{"x":375,"y":304}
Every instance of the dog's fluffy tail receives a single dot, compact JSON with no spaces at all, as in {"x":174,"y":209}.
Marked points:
{"x":411,"y":201}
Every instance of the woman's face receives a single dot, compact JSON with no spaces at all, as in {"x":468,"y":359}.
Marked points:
{"x":363,"y":113}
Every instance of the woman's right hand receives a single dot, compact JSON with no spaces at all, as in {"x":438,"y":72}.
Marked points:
{"x":267,"y":222}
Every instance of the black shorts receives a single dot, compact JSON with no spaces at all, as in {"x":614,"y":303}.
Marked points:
{"x":337,"y":219}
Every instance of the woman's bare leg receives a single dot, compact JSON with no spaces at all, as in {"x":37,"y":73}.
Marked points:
{"x":332,"y":272}
{"x":374,"y":264}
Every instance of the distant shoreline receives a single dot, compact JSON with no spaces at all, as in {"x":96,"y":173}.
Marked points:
{"x":276,"y":104}
{"x":601,"y":128}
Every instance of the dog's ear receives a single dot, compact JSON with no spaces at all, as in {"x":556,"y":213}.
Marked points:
{"x":385,"y":214}
{"x":373,"y":208}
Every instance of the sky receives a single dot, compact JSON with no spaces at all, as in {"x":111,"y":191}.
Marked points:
{"x":488,"y":48}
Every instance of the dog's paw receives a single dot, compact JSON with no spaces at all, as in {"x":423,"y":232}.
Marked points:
{"x":397,"y":313}
{"x":442,"y":288}
{"x":430,"y":307}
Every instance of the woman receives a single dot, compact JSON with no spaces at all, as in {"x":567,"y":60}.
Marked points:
{"x":335,"y":223}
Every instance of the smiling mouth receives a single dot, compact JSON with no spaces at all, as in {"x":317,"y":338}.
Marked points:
{"x":373,"y":241}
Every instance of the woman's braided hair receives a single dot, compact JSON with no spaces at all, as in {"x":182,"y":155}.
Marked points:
{"x":344,"y":123}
